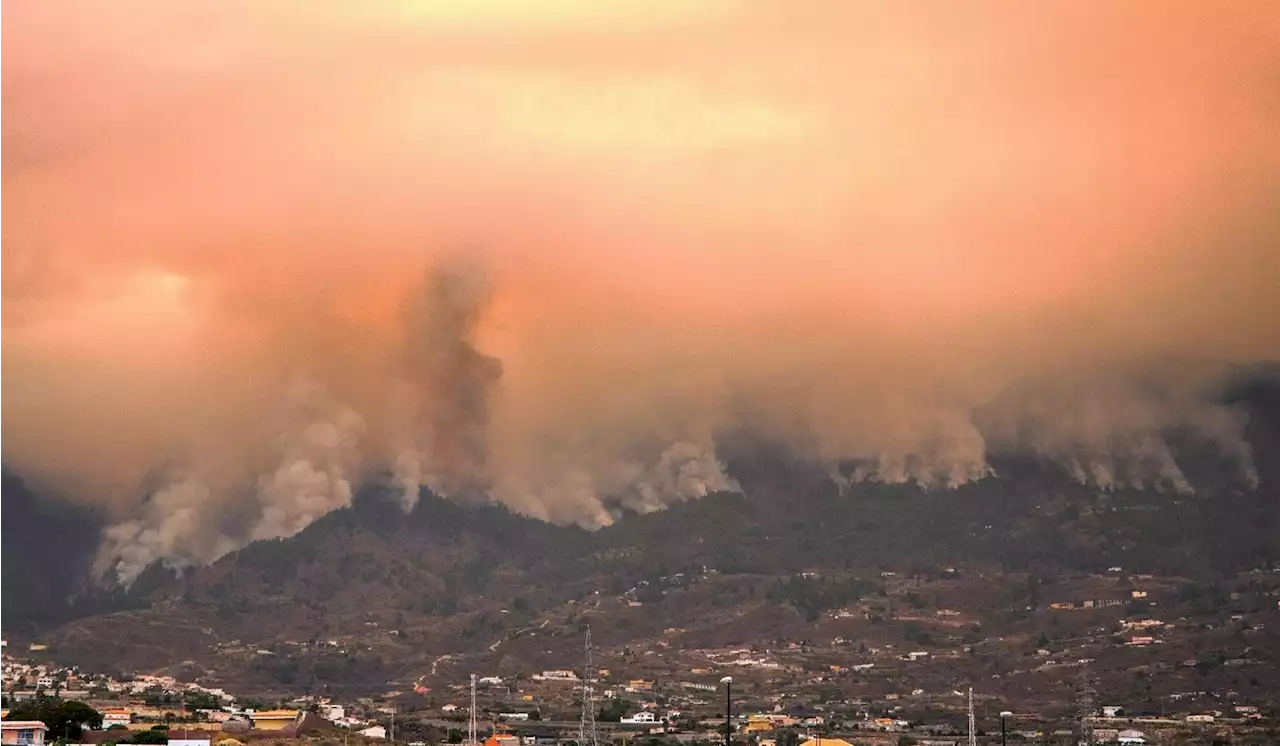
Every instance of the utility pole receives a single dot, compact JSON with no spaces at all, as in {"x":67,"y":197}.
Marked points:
{"x":973,"y":730}
{"x":1086,"y":705}
{"x":392,"y":735}
{"x":471,"y":720}
{"x":587,"y":721}
{"x":728,"y":710}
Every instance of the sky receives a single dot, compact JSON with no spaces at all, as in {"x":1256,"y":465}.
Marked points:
{"x":544,"y":251}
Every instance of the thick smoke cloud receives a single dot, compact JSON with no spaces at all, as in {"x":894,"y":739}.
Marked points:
{"x":450,"y":383}
{"x":907,"y":242}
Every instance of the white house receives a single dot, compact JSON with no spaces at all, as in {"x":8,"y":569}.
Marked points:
{"x":374,"y":731}
{"x":449,"y":708}
{"x":641,"y":717}
{"x":1112,"y":711}
{"x":114,"y":716}
{"x":1199,"y":718}
{"x":513,"y":716}
{"x":1131,"y":738}
{"x":188,"y":742}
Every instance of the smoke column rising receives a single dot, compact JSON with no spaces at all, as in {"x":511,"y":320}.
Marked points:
{"x":232,"y":293}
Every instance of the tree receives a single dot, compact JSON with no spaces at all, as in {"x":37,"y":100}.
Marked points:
{"x":613,"y":711}
{"x":150,"y":737}
{"x":66,"y":719}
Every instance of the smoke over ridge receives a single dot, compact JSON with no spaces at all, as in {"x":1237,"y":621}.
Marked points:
{"x":904,"y":242}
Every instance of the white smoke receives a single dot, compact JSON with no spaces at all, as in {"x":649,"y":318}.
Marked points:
{"x":180,"y":524}
{"x":582,"y":492}
{"x":173,"y":527}
{"x":312,"y":478}
{"x":684,"y":471}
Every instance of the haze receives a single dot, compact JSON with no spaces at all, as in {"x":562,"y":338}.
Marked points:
{"x":258,"y":252}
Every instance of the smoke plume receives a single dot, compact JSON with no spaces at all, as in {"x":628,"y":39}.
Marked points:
{"x":449,"y":382}
{"x":906,"y":243}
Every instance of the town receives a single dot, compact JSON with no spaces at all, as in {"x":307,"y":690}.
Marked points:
{"x":794,"y":693}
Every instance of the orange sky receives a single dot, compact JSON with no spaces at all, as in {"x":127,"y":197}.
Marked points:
{"x":858,"y":201}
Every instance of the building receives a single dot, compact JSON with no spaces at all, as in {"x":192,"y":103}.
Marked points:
{"x":25,"y":732}
{"x":641,"y":717}
{"x":1112,"y":711}
{"x":826,"y":742}
{"x":274,"y":719}
{"x":116,"y":716}
{"x":1200,"y":718}
{"x":1131,"y":738}
{"x":189,"y":742}
{"x":374,"y":731}
{"x":513,"y":716}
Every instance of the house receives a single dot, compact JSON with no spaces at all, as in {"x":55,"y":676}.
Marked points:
{"x":333,"y":712}
{"x":274,"y":719}
{"x":640,"y":685}
{"x":513,"y":716}
{"x":189,"y":742}
{"x":374,"y":731}
{"x":502,"y":739}
{"x":1131,"y":738}
{"x":116,"y":716}
{"x":640,"y":717}
{"x":758,"y":724}
{"x":826,"y":742}
{"x":26,"y":732}
{"x":1112,"y":711}
{"x":449,"y":708}
{"x":1200,"y":718}
{"x":560,"y":675}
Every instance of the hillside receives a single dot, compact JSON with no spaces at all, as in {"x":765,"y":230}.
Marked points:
{"x":47,"y":553}
{"x":394,"y":592}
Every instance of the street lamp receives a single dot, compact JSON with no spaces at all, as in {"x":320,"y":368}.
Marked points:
{"x":728,"y":709}
{"x":1004,"y":735}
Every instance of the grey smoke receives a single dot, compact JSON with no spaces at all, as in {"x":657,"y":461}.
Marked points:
{"x":449,"y":384}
